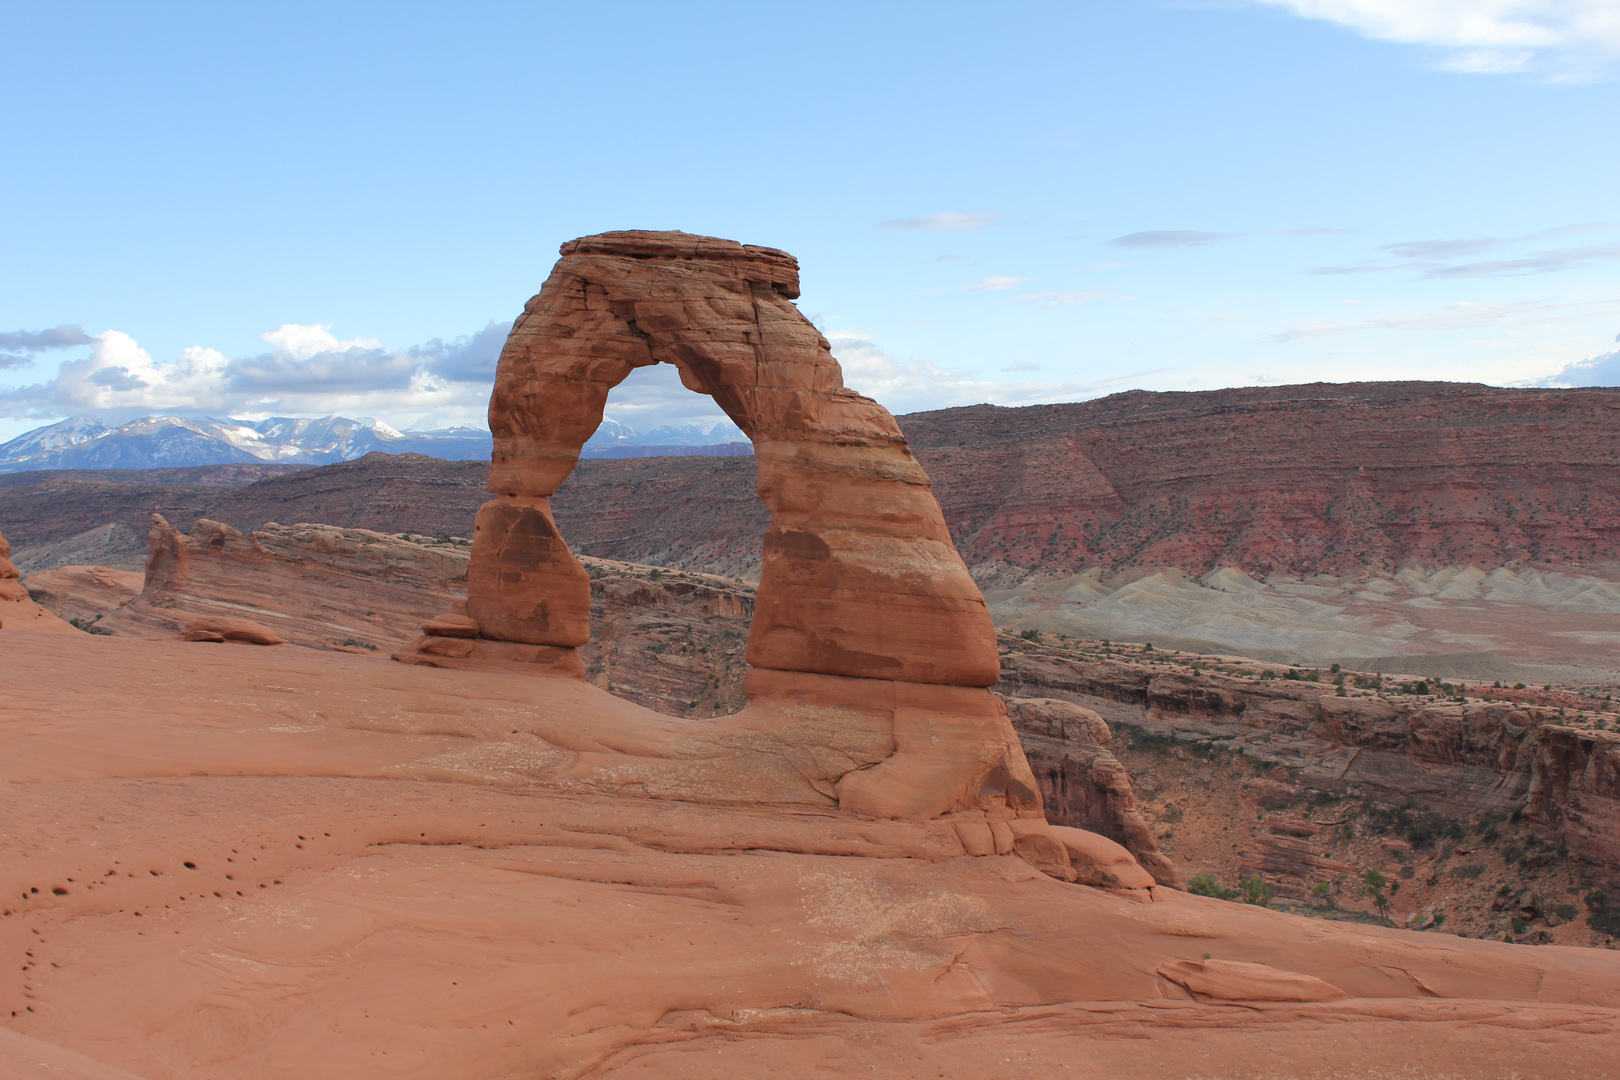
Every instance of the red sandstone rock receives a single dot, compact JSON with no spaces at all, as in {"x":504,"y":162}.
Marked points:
{"x":216,"y":628}
{"x":1083,"y":784}
{"x":314,"y":585}
{"x":450,"y":625}
{"x":444,"y":884}
{"x":17,"y":610}
{"x":860,"y":577}
{"x":871,"y":644}
{"x":85,"y":593}
{"x":1228,"y":980}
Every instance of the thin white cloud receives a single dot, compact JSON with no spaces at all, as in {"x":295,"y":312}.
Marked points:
{"x":916,"y":386}
{"x":1169,"y":238}
{"x":1543,"y":262}
{"x":1565,"y":39}
{"x":1466,"y":315}
{"x":949,"y":221}
{"x":1424,"y":251}
{"x":1070,"y":297}
{"x":995,"y":283}
{"x":1431,"y":258}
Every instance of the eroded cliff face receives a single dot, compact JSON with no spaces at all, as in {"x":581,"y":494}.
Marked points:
{"x":1286,"y":780}
{"x":1458,"y":757}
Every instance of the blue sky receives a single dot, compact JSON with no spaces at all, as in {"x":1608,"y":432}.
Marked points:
{"x":311,"y":208}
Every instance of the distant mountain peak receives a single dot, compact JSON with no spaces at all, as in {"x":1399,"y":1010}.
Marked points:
{"x":167,"y":441}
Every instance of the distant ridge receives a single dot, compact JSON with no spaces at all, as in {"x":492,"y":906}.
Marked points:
{"x":164,"y":442}
{"x":1323,"y":478}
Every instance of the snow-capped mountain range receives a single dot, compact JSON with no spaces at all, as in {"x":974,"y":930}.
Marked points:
{"x":166,"y":441}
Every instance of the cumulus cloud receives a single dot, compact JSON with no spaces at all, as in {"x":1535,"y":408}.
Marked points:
{"x":949,"y":221}
{"x":470,"y":359}
{"x":119,"y":380}
{"x":1168,"y":238}
{"x":1593,"y":371}
{"x":1564,"y":39}
{"x":306,"y":370}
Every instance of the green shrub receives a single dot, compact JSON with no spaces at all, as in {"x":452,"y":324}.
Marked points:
{"x":1206,"y":885}
{"x":1256,"y":891}
{"x":1600,"y":916}
{"x":1031,"y":635}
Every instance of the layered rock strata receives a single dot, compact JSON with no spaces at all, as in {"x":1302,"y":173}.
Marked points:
{"x":312,"y":585}
{"x":1558,"y":771}
{"x":870,"y":644}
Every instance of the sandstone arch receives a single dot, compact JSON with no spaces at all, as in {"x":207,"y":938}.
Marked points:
{"x":871,"y":646}
{"x":860,"y":577}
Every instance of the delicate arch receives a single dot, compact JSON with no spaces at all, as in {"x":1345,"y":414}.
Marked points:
{"x":859,"y":577}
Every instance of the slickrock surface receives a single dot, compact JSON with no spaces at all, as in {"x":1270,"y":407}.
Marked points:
{"x":335,"y":867}
{"x":85,"y":593}
{"x":312,"y":585}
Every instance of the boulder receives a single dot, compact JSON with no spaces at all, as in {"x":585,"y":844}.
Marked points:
{"x":216,"y":628}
